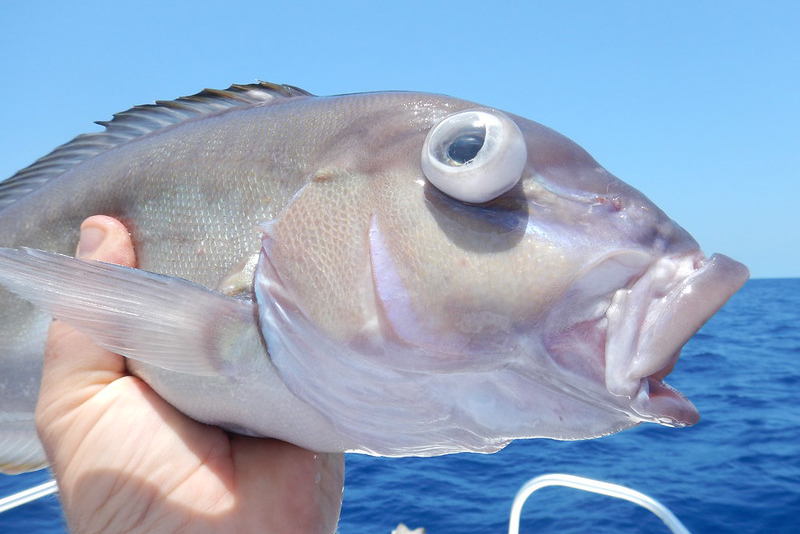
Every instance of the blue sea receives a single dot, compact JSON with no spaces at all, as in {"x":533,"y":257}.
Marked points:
{"x":736,"y":471}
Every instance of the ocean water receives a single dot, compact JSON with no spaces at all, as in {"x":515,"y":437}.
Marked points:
{"x":737,"y":471}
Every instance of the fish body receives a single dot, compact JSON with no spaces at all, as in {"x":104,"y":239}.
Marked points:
{"x":387,"y":273}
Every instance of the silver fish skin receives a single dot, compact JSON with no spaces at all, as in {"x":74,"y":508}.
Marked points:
{"x":389,"y":273}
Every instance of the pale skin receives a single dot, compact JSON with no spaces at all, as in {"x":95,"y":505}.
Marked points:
{"x":126,"y":461}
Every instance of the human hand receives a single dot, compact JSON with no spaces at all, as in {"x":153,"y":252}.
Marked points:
{"x":126,"y":461}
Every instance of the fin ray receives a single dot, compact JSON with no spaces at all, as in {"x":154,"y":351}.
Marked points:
{"x":20,"y":448}
{"x":160,"y":320}
{"x":136,"y":122}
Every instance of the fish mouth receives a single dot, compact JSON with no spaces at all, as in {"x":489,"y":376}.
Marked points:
{"x":641,"y":312}
{"x":650,"y":321}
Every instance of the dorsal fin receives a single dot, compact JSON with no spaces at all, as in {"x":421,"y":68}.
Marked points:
{"x":135,"y":122}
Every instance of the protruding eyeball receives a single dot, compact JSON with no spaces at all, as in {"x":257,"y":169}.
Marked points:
{"x":474,"y":156}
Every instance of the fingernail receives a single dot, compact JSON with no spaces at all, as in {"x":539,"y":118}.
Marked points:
{"x":91,"y":239}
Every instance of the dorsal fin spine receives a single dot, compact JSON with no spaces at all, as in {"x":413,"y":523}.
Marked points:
{"x":136,"y":122}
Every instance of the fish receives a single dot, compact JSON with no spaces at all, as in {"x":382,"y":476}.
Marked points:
{"x":389,"y":273}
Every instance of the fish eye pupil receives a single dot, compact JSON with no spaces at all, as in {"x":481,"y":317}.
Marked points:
{"x":465,"y":147}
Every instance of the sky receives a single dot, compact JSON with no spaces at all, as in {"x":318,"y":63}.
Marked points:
{"x":695,"y":103}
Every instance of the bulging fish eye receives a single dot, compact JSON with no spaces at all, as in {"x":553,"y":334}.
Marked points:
{"x":474,"y":156}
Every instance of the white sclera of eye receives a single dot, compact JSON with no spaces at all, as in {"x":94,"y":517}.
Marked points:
{"x":496,"y":167}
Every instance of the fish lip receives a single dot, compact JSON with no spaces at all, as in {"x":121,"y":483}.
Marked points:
{"x":621,"y":325}
{"x":649,"y":322}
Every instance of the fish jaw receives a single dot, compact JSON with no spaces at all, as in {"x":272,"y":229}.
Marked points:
{"x":683,"y":293}
{"x":634,"y":339}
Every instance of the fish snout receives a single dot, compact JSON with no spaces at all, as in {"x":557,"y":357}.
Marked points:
{"x":648,"y":226}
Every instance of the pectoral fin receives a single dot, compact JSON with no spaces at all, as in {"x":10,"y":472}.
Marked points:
{"x":159,"y":320}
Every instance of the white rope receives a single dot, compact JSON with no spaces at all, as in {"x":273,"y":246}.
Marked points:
{"x":594,"y":486}
{"x":28,"y":495}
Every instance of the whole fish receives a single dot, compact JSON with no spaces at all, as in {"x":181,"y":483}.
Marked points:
{"x":389,"y":273}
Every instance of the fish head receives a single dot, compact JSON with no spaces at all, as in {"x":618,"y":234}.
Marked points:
{"x":454,"y":277}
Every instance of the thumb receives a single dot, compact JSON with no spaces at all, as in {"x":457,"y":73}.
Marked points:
{"x":74,"y":367}
{"x":106,"y":239}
